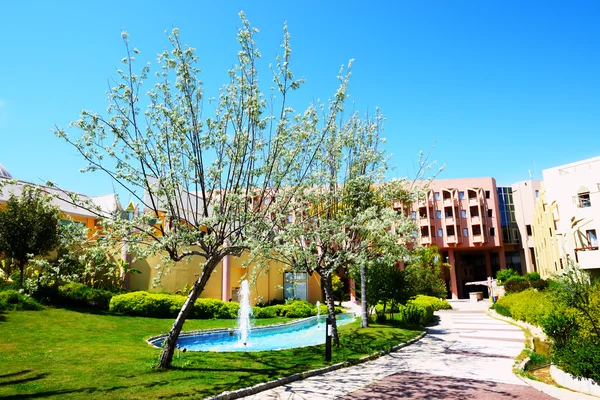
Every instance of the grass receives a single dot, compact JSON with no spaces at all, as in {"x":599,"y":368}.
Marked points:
{"x":59,"y":353}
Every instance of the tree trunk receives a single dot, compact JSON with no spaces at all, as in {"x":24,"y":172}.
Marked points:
{"x":21,"y":270}
{"x":364,"y":318}
{"x":170,"y":343}
{"x":326,"y":280}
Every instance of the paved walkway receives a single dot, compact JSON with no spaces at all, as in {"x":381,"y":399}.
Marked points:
{"x":466,"y":355}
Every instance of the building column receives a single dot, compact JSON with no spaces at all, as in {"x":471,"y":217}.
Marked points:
{"x":226,"y":284}
{"x":502,"y":257}
{"x":453,"y":282}
{"x":488,"y":264}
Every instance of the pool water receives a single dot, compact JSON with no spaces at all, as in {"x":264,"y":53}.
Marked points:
{"x":306,"y":332}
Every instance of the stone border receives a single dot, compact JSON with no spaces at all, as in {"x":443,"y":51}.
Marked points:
{"x":236,"y":394}
{"x":219,"y":330}
{"x":583,"y":385}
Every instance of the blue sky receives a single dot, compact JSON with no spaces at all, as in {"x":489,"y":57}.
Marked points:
{"x":501,"y":87}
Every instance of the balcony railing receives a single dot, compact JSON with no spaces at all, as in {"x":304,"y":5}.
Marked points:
{"x":451,"y":239}
{"x":475,"y":219}
{"x":425,"y":240}
{"x":449,"y":201}
{"x":588,"y":257}
{"x":478,"y":238}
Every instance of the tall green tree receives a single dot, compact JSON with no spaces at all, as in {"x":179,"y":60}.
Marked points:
{"x":28,"y":227}
{"x":339,"y":224}
{"x":208,"y":181}
{"x":424,"y":272}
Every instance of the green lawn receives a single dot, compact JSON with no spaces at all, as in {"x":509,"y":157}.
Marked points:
{"x":59,"y":353}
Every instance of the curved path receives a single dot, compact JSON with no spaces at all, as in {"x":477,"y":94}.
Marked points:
{"x":466,"y":355}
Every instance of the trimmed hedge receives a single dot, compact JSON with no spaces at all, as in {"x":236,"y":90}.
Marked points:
{"x":437,"y":304}
{"x":11,"y":300}
{"x":162,"y":305}
{"x":417,"y":312}
{"x":529,"y":305}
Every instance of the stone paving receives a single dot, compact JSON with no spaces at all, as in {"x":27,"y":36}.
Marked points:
{"x":466,"y":355}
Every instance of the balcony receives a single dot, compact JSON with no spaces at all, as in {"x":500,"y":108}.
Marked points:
{"x":473,"y":201}
{"x":425,"y":240}
{"x":449,"y":220}
{"x":449,"y":201}
{"x":475,"y":219}
{"x":451,"y":239}
{"x":478,"y":238}
{"x":589,"y":257}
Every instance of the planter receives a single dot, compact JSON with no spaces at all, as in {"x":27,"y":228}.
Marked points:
{"x":567,"y":380}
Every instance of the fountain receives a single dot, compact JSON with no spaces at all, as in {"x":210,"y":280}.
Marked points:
{"x":244,"y":313}
{"x":318,"y":312}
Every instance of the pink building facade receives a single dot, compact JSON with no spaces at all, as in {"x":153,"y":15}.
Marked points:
{"x":462,"y":218}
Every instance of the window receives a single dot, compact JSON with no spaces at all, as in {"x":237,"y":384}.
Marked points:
{"x":448,"y":214}
{"x":584,"y":200}
{"x":461,"y":195}
{"x":414,"y":215}
{"x":492,"y":231}
{"x":295,"y":285}
{"x":463,"y":213}
{"x":290,"y":219}
{"x":490,"y":213}
{"x":528,"y":227}
{"x":466,"y":232}
{"x":440,"y":233}
{"x":436,"y":195}
{"x":537,"y":194}
{"x":438,"y":214}
{"x":592,"y":238}
{"x":487,"y":194}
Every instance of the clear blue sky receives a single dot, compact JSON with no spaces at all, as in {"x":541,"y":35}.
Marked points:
{"x":496,"y":84}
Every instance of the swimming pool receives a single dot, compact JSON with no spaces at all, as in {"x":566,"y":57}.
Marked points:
{"x":305,"y":332}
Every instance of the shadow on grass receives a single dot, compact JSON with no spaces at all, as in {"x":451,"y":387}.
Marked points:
{"x":25,"y":371}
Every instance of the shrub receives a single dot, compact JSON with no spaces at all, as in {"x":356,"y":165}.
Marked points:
{"x":504,"y":274}
{"x":144,"y":304}
{"x":11,"y":300}
{"x":529,"y":305}
{"x":437,"y":304}
{"x":417,"y":313}
{"x":266,"y":312}
{"x":515,"y":284}
{"x":579,"y":358}
{"x":299,"y":309}
{"x":502,"y":310}
{"x":79,"y":295}
{"x":533,"y":276}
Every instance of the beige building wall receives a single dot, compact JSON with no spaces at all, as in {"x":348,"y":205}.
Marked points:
{"x":265,"y":284}
{"x":572,"y":200}
{"x":546,"y":245}
{"x":525,"y":194}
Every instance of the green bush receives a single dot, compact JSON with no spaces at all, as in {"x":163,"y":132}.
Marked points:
{"x":504,"y":274}
{"x":533,"y":276}
{"x":144,"y":304}
{"x":299,"y":309}
{"x":417,"y":313}
{"x":11,"y":300}
{"x":515,"y":284}
{"x":529,"y":305}
{"x":79,"y":295}
{"x":437,"y":304}
{"x":579,"y":358}
{"x":500,"y":309}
